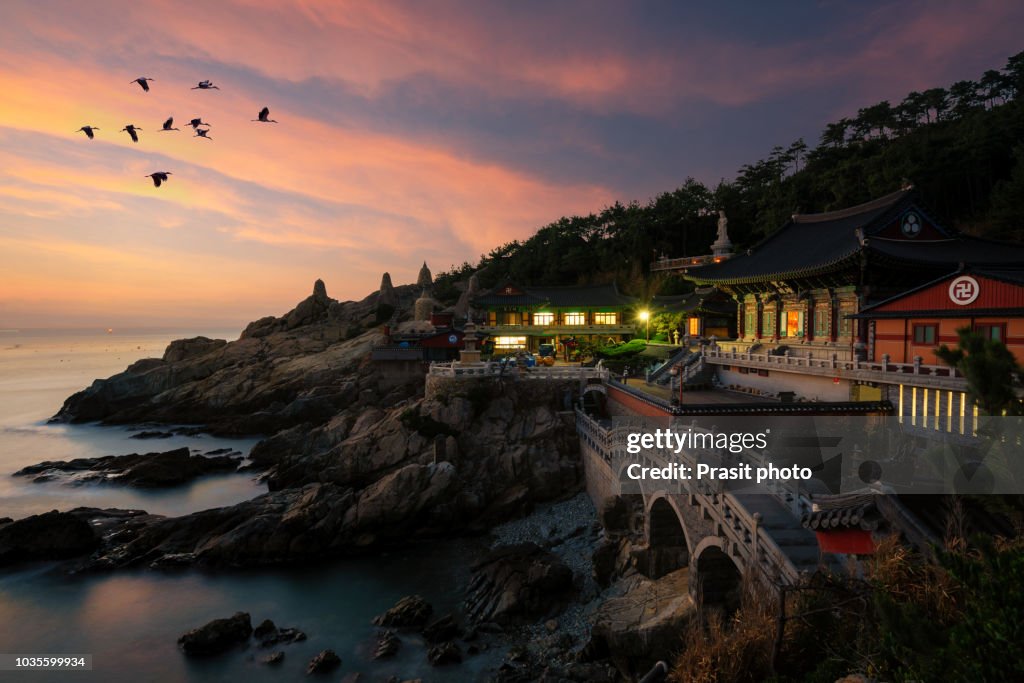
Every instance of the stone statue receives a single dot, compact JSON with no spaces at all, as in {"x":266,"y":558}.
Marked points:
{"x":722,"y":246}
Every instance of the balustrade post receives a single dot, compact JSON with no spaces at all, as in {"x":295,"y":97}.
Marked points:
{"x":917,"y":365}
{"x":885,"y":362}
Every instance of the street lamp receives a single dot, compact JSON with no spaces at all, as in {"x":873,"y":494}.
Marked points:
{"x":645,"y":315}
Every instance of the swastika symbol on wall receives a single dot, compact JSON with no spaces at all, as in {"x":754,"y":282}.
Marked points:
{"x":964,"y":290}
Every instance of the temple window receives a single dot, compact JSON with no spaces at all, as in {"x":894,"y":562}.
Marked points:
{"x":606,"y":318}
{"x":543,"y":318}
{"x":993,"y":331}
{"x":574,"y":318}
{"x":924,"y":334}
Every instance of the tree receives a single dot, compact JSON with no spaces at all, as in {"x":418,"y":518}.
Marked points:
{"x":834,"y":134}
{"x":995,"y":85}
{"x":797,"y":151}
{"x":965,"y":94}
{"x":937,"y":100}
{"x":914,"y":106}
{"x":1008,"y":201}
{"x":990,"y":370}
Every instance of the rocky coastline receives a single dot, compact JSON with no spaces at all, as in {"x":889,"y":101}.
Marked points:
{"x":353,"y":465}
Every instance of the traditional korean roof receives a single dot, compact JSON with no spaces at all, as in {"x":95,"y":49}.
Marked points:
{"x":814,"y":244}
{"x":701,"y":300}
{"x":806,"y":245}
{"x":590,"y":296}
{"x":1011,"y":273}
{"x":856,"y":510}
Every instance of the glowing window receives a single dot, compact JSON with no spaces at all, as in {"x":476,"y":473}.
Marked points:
{"x":575,"y":318}
{"x":543,"y":318}
{"x":606,"y":318}
{"x":506,"y":343}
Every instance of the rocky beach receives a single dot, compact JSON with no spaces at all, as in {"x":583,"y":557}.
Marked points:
{"x":356,"y":465}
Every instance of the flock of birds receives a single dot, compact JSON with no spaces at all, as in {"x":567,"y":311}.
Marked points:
{"x":200,"y":128}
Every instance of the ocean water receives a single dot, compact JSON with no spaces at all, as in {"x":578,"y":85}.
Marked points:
{"x":130,"y":621}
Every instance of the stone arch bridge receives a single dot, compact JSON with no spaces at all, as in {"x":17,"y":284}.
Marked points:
{"x":720,"y":535}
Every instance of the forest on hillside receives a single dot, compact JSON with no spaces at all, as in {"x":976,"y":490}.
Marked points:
{"x":962,"y":147}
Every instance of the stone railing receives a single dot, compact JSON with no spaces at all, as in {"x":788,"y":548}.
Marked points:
{"x":887,"y":372}
{"x":495,"y":369}
{"x":726,"y":509}
{"x":681,"y":263}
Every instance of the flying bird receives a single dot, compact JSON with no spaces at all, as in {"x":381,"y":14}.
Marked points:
{"x":202,"y":133}
{"x":159,"y":177}
{"x":264,"y":116}
{"x":195,"y":123}
{"x":88,"y":130}
{"x":167,"y":124}
{"x":132,"y":131}
{"x":206,"y":85}
{"x":141,"y":80}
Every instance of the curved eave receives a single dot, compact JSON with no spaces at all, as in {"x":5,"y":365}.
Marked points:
{"x":821,"y":269}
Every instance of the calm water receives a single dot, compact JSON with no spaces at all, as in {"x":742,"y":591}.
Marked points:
{"x":129,"y":621}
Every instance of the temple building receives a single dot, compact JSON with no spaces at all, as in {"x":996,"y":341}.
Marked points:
{"x":706,"y":312}
{"x":521,"y":318}
{"x":911,"y":325}
{"x":805,"y":284}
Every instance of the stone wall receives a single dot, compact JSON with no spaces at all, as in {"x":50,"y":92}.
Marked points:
{"x":804,"y":386}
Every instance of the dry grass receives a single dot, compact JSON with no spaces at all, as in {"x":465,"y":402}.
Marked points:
{"x":729,"y":648}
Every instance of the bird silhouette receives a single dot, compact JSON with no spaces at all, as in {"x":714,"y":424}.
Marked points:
{"x":159,"y":177}
{"x":206,"y":85}
{"x":141,"y":80}
{"x":202,"y":133}
{"x":167,"y":124}
{"x":195,"y":123}
{"x":132,"y":131}
{"x":264,"y":116}
{"x":88,"y":130}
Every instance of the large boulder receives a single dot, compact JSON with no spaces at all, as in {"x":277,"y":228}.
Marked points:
{"x":643,"y":625}
{"x":412,"y":611}
{"x":49,"y":536}
{"x":518,"y":583}
{"x":217,"y":636}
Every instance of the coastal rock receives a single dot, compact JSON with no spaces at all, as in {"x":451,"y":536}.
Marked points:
{"x":247,"y":386}
{"x":325,"y":662}
{"x":217,"y":636}
{"x":518,"y":583}
{"x":184,"y":349}
{"x":440,"y":630}
{"x":412,"y":611}
{"x":638,"y":628}
{"x":274,"y":658}
{"x":267,"y":633}
{"x":387,"y":645}
{"x":149,"y":470}
{"x":444,"y":654}
{"x":49,"y":536}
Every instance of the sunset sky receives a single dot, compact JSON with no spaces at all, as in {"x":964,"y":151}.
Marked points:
{"x":408,"y":131}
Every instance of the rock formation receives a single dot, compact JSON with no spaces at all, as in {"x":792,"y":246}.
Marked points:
{"x":219,"y":635}
{"x":386,"y":294}
{"x":425,"y":279}
{"x":149,"y":470}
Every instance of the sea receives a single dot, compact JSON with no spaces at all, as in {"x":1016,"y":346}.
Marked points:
{"x":129,"y":621}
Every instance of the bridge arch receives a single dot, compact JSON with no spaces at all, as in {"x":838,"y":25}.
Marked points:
{"x":668,"y":544}
{"x":718,"y":576}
